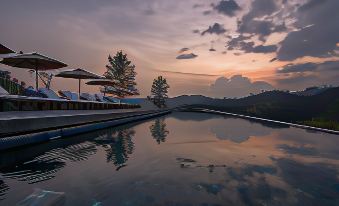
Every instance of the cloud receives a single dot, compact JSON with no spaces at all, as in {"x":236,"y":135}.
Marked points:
{"x":239,"y":43}
{"x":237,"y":86}
{"x":187,"y":56}
{"x":215,"y":29}
{"x":310,"y":67}
{"x":196,"y":31}
{"x":227,"y":7}
{"x":318,"y":40}
{"x":264,"y":49}
{"x":256,"y":21}
{"x":183,"y":50}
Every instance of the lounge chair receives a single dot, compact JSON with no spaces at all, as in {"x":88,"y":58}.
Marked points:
{"x":112,"y":99}
{"x":88,"y":97}
{"x":100,"y":98}
{"x":48,"y":93}
{"x":3,"y":91}
{"x":69,"y":95}
{"x":31,"y":92}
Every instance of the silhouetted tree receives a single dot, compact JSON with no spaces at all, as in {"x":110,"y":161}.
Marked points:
{"x":159,"y":91}
{"x":120,"y":69}
{"x":159,"y":131}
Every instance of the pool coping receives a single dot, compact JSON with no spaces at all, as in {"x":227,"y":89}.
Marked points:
{"x":263,"y":119}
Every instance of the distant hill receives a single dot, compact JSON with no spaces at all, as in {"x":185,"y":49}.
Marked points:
{"x":322,"y":108}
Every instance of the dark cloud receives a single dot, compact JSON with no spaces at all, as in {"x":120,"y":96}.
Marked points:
{"x":237,"y":86}
{"x":250,"y":24}
{"x":307,"y":67}
{"x":239,"y":43}
{"x":215,"y":29}
{"x":298,"y":81}
{"x":264,"y":49}
{"x":187,"y":56}
{"x":195,"y":6}
{"x":183,"y":50}
{"x":208,"y":12}
{"x":319,"y":36}
{"x":196,"y":31}
{"x":227,"y":7}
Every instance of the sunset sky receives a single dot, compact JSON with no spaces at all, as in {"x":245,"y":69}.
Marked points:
{"x":210,"y":47}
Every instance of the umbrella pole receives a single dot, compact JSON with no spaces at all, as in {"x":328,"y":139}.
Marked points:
{"x":79,"y":86}
{"x":36,"y":79}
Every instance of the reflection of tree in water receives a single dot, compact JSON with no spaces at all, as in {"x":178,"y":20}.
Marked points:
{"x":158,"y":130}
{"x":118,"y":144}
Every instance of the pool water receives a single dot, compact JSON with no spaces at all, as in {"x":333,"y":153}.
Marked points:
{"x":179,"y":159}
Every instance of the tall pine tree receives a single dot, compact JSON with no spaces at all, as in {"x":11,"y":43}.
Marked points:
{"x":120,"y":69}
{"x":159,"y":91}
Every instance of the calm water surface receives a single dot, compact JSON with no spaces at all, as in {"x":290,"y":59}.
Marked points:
{"x":180,"y":159}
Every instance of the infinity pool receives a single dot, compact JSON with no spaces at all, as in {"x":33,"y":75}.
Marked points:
{"x":179,"y":159}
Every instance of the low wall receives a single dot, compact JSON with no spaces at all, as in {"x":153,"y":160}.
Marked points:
{"x":85,"y":123}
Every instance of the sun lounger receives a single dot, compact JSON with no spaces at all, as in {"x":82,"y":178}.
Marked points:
{"x":69,"y":95}
{"x":100,"y":98}
{"x":31,"y":92}
{"x":3,"y":91}
{"x":88,"y":97}
{"x":48,"y":93}
{"x":112,"y":99}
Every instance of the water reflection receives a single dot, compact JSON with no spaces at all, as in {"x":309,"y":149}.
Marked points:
{"x":257,"y":165}
{"x":118,"y":145}
{"x":158,"y":130}
{"x":3,"y":189}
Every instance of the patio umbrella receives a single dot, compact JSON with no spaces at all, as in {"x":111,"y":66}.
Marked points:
{"x":35,"y":61}
{"x":5,"y":50}
{"x":78,"y":74}
{"x":102,"y":82}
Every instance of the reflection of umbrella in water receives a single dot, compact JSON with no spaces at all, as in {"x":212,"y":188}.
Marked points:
{"x":35,"y":61}
{"x":78,"y":74}
{"x":5,"y":50}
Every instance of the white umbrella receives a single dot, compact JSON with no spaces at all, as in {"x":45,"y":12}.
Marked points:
{"x":79,"y":74}
{"x":35,"y":61}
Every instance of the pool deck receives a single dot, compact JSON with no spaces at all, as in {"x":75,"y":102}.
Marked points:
{"x":12,"y":123}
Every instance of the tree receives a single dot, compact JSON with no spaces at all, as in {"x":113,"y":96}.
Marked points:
{"x":159,"y":91}
{"x":120,"y":69}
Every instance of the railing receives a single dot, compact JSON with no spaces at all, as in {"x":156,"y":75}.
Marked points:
{"x":11,"y":87}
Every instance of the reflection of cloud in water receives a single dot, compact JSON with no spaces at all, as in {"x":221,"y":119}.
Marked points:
{"x":317,"y":183}
{"x":301,"y":150}
{"x":260,"y":193}
{"x":241,"y":173}
{"x":210,"y":188}
{"x":194,"y":116}
{"x":238,"y":130}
